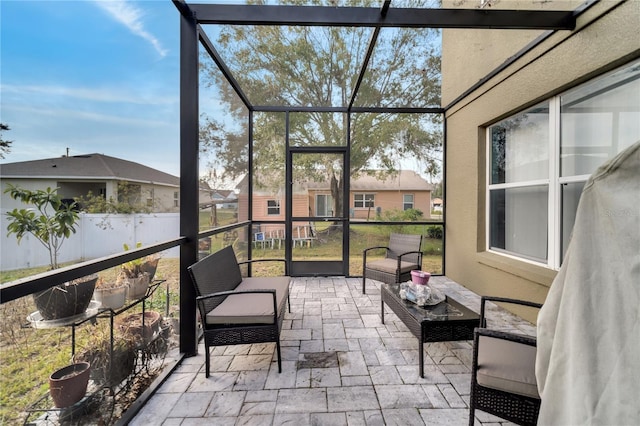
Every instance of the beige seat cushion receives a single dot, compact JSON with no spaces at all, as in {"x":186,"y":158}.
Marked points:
{"x":389,"y":266}
{"x":251,"y":308}
{"x":507,"y":366}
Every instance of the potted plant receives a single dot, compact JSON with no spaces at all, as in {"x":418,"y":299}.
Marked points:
{"x":51,"y":222}
{"x":139,"y":273}
{"x":111,"y":294}
{"x":139,"y":327}
{"x":68,"y":385}
{"x":106,"y":369}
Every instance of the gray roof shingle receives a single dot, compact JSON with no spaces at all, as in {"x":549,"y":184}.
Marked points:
{"x":89,"y":166}
{"x":377,"y":180}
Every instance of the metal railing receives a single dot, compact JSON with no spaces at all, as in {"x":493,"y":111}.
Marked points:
{"x":26,"y":286}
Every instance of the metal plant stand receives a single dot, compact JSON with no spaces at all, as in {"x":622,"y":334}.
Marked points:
{"x":96,"y":394}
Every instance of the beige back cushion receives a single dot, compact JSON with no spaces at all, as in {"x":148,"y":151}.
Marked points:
{"x":507,"y":366}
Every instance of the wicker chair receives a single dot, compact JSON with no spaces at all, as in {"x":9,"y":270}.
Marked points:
{"x":236,"y":310}
{"x":402,"y":256}
{"x":503,"y":381}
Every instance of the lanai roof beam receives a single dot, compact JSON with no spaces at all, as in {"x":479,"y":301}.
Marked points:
{"x":371,"y":17}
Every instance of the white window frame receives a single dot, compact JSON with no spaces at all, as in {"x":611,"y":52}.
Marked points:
{"x":328,"y":200}
{"x":551,"y":181}
{"x":554,"y":183}
{"x":276,"y":205}
{"x":364,"y":202}
{"x":413,"y":201}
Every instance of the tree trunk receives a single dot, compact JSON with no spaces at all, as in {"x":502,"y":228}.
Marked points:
{"x":336,"y":193}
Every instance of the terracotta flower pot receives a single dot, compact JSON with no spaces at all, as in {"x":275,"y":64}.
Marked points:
{"x":131,"y":325}
{"x":68,"y":385}
{"x":66,"y":300}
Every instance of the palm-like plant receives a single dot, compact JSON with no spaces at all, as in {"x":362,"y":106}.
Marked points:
{"x":51,"y":223}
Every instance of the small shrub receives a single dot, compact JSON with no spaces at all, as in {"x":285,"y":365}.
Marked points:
{"x":435,"y":232}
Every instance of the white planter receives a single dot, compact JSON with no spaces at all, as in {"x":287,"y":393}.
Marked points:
{"x":138,"y":286}
{"x":113,"y":298}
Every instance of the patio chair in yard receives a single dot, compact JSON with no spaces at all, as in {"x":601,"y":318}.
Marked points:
{"x":236,"y":310}
{"x":503,"y":381}
{"x":276,"y":236}
{"x":259,"y":238}
{"x":305,"y":235}
{"x":401,"y":257}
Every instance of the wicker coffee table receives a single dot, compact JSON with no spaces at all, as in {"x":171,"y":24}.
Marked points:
{"x":447,"y":321}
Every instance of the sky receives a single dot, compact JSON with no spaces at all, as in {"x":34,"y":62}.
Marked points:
{"x":91,"y":77}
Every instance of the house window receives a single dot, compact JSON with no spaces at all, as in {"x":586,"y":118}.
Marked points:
{"x":176,"y":199}
{"x":407,"y":201}
{"x":324,"y":205}
{"x":150,"y":198}
{"x":540,"y":159}
{"x":273,"y":207}
{"x":363,"y":200}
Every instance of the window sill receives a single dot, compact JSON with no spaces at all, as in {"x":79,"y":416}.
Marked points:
{"x":519,"y":268}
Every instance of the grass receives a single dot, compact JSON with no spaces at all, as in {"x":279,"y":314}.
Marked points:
{"x":329,"y":247}
{"x":225,"y":217}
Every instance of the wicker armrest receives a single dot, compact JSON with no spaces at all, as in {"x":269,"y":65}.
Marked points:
{"x":418,"y":252}
{"x":485,"y":299}
{"x":364,"y":252}
{"x":505,"y":335}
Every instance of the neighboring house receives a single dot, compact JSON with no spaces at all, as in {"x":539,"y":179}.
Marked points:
{"x":529,"y":117}
{"x":370,"y":196}
{"x":225,"y":198}
{"x":214,"y":199}
{"x":99,"y":174}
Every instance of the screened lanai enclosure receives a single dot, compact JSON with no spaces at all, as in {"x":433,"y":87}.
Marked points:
{"x":319,"y":127}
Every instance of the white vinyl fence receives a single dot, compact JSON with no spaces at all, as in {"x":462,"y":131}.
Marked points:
{"x":97,"y":235}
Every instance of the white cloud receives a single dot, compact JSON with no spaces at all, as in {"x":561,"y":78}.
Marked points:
{"x":89,"y":94}
{"x":78,"y":116}
{"x":131,"y":17}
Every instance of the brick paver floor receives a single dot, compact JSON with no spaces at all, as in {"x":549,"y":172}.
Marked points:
{"x":341,"y":366}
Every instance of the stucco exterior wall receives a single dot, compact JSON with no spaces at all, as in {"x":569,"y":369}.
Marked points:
{"x":300,"y":207}
{"x":7,"y":203}
{"x":386,"y":200}
{"x":485,"y":49}
{"x":163,"y":196}
{"x":607,"y":35}
{"x":390,"y":200}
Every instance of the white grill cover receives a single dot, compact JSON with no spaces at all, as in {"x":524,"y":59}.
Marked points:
{"x":588,"y":357}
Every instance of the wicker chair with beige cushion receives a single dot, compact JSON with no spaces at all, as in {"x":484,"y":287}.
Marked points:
{"x":236,"y":310}
{"x":402,"y":255}
{"x":503,"y":381}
